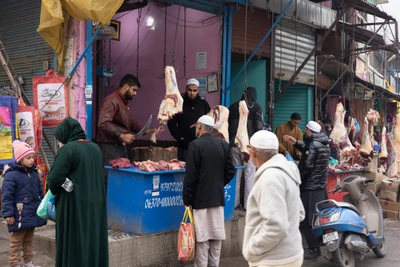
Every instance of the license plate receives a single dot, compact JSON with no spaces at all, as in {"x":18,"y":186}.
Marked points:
{"x":330,"y":237}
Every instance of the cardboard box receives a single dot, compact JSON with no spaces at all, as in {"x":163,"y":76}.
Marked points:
{"x":390,"y":206}
{"x":392,"y":185}
{"x":388,"y":196}
{"x":390,"y":214}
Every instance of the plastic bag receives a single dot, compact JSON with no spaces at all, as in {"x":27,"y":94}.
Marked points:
{"x":51,"y":209}
{"x":43,"y":209}
{"x":333,"y":161}
{"x":186,"y":237}
{"x":357,"y":125}
{"x":289,"y":158}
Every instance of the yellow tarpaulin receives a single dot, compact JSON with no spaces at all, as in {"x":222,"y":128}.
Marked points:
{"x":52,"y":18}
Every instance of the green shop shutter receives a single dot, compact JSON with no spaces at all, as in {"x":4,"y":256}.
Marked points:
{"x":26,"y":49}
{"x":298,"y":98}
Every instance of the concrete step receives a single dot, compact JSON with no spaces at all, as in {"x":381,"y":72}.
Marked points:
{"x":156,"y":250}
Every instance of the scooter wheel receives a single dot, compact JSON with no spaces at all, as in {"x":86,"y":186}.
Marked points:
{"x":343,"y":256}
{"x":380,"y":250}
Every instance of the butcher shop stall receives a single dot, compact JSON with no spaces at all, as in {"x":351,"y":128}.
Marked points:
{"x":364,"y":140}
{"x":163,"y":45}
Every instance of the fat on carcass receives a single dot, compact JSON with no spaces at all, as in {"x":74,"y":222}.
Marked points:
{"x":383,"y":153}
{"x":393,"y":145}
{"x":339,"y":136}
{"x":220,"y":115}
{"x":171,"y":104}
{"x":373,"y":119}
{"x":366,"y":151}
{"x":242,"y":137}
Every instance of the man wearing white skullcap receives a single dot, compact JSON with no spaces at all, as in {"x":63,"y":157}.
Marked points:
{"x":209,"y":168}
{"x":274,"y":208}
{"x":181,"y":126}
{"x":313,"y":168}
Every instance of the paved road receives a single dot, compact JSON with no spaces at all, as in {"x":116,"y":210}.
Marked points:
{"x":392,"y":259}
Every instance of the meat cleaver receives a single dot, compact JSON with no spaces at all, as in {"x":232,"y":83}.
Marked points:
{"x":145,"y":127}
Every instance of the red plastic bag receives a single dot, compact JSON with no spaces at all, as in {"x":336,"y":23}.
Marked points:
{"x":186,"y":237}
{"x":50,"y":96}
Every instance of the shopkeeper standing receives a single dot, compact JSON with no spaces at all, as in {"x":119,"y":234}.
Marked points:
{"x":116,"y":127}
{"x":182,"y":125}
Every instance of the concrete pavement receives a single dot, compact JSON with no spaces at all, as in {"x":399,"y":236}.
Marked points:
{"x":392,"y":228}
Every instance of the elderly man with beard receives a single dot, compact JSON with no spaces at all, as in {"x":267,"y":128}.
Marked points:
{"x":313,"y":168}
{"x":116,"y":127}
{"x":181,"y":126}
{"x":274,"y":208}
{"x":209,"y":168}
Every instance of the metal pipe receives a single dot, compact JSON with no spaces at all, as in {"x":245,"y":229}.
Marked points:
{"x":260,"y":44}
{"x":224,"y":56}
{"x":229,"y":54}
{"x":334,"y":84}
{"x":271,"y":89}
{"x":340,"y":15}
{"x":88,"y":46}
{"x":89,"y":81}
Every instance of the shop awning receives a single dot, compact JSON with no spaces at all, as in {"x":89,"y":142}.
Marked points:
{"x":213,"y":7}
{"x":52,"y":19}
{"x":368,"y":8}
{"x":363,"y":35}
{"x":378,"y":90}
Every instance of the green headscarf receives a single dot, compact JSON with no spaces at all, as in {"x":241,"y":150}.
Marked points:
{"x":69,"y":130}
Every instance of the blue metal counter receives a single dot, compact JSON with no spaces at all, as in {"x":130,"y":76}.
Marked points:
{"x":142,"y":203}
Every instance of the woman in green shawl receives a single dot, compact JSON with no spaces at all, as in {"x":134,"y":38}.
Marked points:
{"x":81,"y":215}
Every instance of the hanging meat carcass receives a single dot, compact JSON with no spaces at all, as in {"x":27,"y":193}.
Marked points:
{"x":393,"y":146}
{"x":339,"y":136}
{"x":367,"y":150}
{"x":242,"y":137}
{"x":383,"y":153}
{"x":373,"y":119}
{"x":220,"y":115}
{"x":171,"y":104}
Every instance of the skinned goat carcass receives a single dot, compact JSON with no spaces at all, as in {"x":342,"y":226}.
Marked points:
{"x":171,"y":104}
{"x":339,"y":136}
{"x":373,"y":119}
{"x":383,"y":153}
{"x":220,"y":115}
{"x":366,"y":151}
{"x":393,"y":146}
{"x":242,"y":137}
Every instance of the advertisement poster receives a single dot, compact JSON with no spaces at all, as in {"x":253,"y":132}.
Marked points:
{"x":50,"y":96}
{"x":26,"y":128}
{"x":6,"y":140}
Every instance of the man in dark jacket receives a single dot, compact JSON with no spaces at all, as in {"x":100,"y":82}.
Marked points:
{"x":313,"y":168}
{"x":209,"y":168}
{"x":254,"y":124}
{"x":181,"y":126}
{"x":116,"y":127}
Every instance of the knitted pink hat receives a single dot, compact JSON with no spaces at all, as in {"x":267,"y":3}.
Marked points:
{"x":21,"y":149}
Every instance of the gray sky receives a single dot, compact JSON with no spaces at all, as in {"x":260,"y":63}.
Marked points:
{"x":393,"y":9}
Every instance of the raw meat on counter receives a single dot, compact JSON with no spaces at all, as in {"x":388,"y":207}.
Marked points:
{"x":220,"y":115}
{"x":171,"y":104}
{"x":152,"y":166}
{"x":242,"y":137}
{"x":120,"y":163}
{"x":340,"y":138}
{"x":344,"y":167}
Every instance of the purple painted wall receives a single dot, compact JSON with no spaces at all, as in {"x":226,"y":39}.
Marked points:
{"x":203,"y":35}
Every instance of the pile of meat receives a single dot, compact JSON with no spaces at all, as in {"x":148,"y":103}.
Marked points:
{"x":345,"y":167}
{"x":151,"y":166}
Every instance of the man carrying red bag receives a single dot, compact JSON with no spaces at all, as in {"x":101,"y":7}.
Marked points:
{"x":209,"y":168}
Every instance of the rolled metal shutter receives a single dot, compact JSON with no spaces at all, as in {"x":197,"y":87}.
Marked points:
{"x":27,"y":51}
{"x":293,"y":42}
{"x":258,"y":24}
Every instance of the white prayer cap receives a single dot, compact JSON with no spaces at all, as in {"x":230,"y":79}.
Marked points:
{"x":206,"y":120}
{"x":193,"y":81}
{"x":264,"y":140}
{"x":314,"y":126}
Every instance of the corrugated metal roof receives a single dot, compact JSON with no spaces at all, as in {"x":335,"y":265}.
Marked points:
{"x":26,"y":49}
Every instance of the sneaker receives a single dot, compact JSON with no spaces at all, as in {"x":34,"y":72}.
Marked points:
{"x":310,"y":254}
{"x":31,"y":264}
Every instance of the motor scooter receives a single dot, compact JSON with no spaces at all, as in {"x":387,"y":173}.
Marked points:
{"x":353,"y":227}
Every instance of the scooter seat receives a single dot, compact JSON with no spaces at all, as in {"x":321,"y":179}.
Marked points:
{"x":348,"y":205}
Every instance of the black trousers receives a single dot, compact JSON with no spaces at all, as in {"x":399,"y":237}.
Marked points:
{"x":182,"y":153}
{"x":309,"y":199}
{"x":111,"y":152}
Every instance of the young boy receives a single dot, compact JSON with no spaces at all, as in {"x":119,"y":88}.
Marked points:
{"x":21,"y":196}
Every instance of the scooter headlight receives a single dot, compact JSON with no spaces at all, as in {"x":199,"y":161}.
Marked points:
{"x":335,"y":217}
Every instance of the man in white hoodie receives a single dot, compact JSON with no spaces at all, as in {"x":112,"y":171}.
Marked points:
{"x":274,"y":208}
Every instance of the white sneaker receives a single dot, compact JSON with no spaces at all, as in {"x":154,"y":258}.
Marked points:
{"x":31,"y":264}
